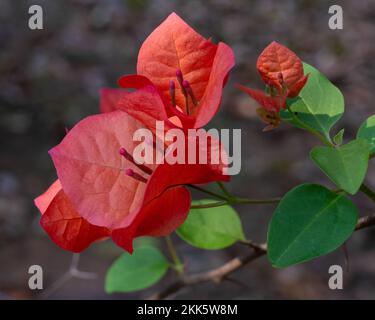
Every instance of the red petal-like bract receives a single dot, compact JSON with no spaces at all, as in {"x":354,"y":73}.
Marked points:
{"x":145,"y":105}
{"x":63,"y":224}
{"x":97,"y":196}
{"x":173,"y":46}
{"x":92,"y":174}
{"x":67,"y":228}
{"x":294,"y":90}
{"x":43,"y":201}
{"x":149,"y":103}
{"x":109,"y":99}
{"x":159,"y":217}
{"x":267,"y":102}
{"x":277,"y":59}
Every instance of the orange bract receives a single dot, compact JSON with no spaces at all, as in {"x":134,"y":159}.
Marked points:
{"x":97,"y":197}
{"x":67,"y":228}
{"x":282,"y":72}
{"x":267,"y":102}
{"x":101,"y":190}
{"x":174,"y":51}
{"x":109,"y":98}
{"x":172,"y":46}
{"x":278,"y":65}
{"x":91,"y":170}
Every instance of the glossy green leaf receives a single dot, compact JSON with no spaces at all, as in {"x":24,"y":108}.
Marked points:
{"x":339,"y":137}
{"x":367,"y":131}
{"x":345,"y":165}
{"x":320,"y":104}
{"x":310,"y":221}
{"x":143,"y":268}
{"x":211,"y":228}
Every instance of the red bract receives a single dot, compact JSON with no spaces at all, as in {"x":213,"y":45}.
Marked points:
{"x":187,"y":70}
{"x":146,"y":105}
{"x":108,"y":193}
{"x":267,"y":102}
{"x":282,"y":71}
{"x":109,"y":99}
{"x":281,"y":68}
{"x":63,"y":224}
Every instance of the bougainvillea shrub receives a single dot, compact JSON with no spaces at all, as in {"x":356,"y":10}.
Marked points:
{"x":104,"y":191}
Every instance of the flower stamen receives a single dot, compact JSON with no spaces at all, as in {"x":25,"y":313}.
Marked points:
{"x":130,"y":158}
{"x":284,"y":89}
{"x":172,"y":92}
{"x":180,"y":79}
{"x":131,"y":173}
{"x":281,"y":78}
{"x":189,"y":91}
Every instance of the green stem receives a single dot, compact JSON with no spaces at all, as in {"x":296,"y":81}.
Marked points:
{"x":209,"y":205}
{"x":236,"y":201}
{"x":325,"y":140}
{"x":224,"y":189}
{"x":177,"y":264}
{"x":368,"y":192}
{"x":257,"y":201}
{"x":211,"y":193}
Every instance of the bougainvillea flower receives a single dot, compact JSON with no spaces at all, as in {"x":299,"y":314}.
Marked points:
{"x":147,"y":106}
{"x":282,"y":72}
{"x":271,"y":118}
{"x":109,"y":98}
{"x":104,"y":187}
{"x":63,"y":224}
{"x":187,"y":70}
{"x":282,"y":68}
{"x":269,"y":103}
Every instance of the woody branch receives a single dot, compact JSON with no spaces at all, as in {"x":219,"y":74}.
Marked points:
{"x":218,"y":274}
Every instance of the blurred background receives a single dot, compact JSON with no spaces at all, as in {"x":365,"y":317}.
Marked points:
{"x":49,"y":80}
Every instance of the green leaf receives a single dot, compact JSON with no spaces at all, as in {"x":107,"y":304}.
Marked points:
{"x":138,"y":271}
{"x":310,"y":221}
{"x":338,"y":138}
{"x":320,"y":104}
{"x":211,"y":228}
{"x":367,"y":131}
{"x":345,"y":165}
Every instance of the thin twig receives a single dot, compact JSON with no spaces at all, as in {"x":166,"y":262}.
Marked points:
{"x":220,"y":273}
{"x":255,"y":246}
{"x":257,"y":201}
{"x":365,"y":222}
{"x":214,"y":194}
{"x":209,"y":205}
{"x":224,"y":189}
{"x":215,"y":275}
{"x":346,"y":256}
{"x":73,"y":272}
{"x":177,"y":264}
{"x":367,"y":191}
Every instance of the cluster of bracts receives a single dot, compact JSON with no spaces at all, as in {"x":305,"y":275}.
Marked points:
{"x":101,"y":191}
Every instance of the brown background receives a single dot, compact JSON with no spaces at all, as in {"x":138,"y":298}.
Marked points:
{"x":49,"y":80}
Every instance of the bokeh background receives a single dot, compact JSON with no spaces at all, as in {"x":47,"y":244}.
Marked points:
{"x":49,"y":80}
